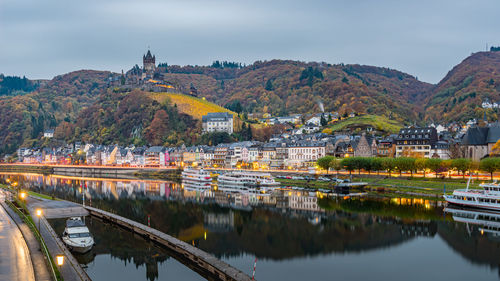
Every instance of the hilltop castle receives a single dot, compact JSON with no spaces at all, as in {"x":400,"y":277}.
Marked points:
{"x":149,"y":62}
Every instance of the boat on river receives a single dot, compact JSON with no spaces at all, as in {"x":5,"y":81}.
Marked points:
{"x":486,"y":198}
{"x":196,"y":177}
{"x":77,"y":236}
{"x":246,"y":180}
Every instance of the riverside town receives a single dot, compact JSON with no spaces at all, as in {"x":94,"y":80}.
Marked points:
{"x":241,"y":141}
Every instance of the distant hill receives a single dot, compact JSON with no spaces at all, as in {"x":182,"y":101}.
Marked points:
{"x":460,"y":94}
{"x":82,"y":105}
{"x":281,"y":87}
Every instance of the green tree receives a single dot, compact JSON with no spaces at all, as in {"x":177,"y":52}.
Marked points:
{"x":433,"y":164}
{"x":388,"y":165}
{"x":405,"y":164}
{"x":323,"y":121}
{"x":420,"y":165}
{"x":324,"y":162}
{"x":490,"y":165}
{"x":335,"y":164}
{"x":348,"y":164}
{"x":462,"y":165}
{"x":269,"y":85}
{"x":377,"y":164}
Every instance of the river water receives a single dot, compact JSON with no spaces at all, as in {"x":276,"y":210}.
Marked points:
{"x":293,"y":235}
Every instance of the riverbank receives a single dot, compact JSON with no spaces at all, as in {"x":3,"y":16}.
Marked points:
{"x":172,"y":175}
{"x":45,"y":170}
{"x":426,"y":187}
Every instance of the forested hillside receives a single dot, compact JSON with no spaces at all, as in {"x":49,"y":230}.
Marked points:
{"x":82,"y":106}
{"x":460,"y":94}
{"x":282,"y":87}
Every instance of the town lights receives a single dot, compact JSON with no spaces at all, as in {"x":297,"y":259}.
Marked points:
{"x":22,"y":195}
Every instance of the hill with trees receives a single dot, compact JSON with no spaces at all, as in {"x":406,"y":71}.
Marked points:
{"x":82,"y":104}
{"x":281,"y":87}
{"x":460,"y":94}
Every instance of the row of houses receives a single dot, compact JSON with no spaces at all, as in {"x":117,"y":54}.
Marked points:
{"x":282,"y":151}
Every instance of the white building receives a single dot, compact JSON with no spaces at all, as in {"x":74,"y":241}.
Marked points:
{"x":217,"y":122}
{"x":301,"y":153}
{"x":48,"y":133}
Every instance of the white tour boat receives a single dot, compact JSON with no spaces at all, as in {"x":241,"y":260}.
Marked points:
{"x":244,"y":180}
{"x":486,"y":198}
{"x":196,"y":177}
{"x":77,"y":236}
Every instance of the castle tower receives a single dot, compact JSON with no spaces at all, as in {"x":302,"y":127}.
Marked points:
{"x":148,"y":62}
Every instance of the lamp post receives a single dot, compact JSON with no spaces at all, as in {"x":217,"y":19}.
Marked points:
{"x":39,"y":214}
{"x":60,"y":260}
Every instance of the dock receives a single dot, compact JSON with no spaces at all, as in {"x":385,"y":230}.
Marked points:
{"x":71,"y":270}
{"x":205,"y":264}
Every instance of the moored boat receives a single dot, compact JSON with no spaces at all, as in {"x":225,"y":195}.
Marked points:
{"x":245,"y":180}
{"x":486,"y":198}
{"x":77,"y":236}
{"x":196,"y":177}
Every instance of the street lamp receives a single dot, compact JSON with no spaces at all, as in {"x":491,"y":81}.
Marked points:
{"x":39,"y":214}
{"x":60,"y":260}
{"x":22,"y":195}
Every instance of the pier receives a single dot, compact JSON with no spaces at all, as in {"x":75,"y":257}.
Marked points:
{"x":205,"y":264}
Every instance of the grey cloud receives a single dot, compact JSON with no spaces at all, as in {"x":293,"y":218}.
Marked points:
{"x":425,"y":38}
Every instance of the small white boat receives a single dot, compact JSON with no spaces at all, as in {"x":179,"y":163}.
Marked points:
{"x":77,"y":236}
{"x":487,"y":198}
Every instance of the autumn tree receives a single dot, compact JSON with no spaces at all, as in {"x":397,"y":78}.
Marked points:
{"x":158,"y":128}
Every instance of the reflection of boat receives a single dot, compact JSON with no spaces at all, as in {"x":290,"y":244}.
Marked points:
{"x":85,"y":258}
{"x":77,"y":236}
{"x":487,"y":198}
{"x":242,"y":179}
{"x":196,"y":177}
{"x":486,"y":220}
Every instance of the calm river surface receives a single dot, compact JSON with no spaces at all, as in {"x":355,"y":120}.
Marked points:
{"x":294,"y":235}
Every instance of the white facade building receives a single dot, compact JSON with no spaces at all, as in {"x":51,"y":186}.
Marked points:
{"x":217,"y":122}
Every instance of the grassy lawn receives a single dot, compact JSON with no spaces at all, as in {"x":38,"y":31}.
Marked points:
{"x":420,"y":183}
{"x":35,"y":194}
{"x":394,"y":186}
{"x":379,"y":123}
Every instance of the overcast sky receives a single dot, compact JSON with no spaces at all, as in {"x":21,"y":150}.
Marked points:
{"x":425,"y":38}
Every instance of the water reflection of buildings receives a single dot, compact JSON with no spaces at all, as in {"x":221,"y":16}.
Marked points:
{"x":165,"y":190}
{"x":218,"y":222}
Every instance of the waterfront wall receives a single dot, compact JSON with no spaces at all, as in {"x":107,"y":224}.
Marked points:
{"x":207,"y":265}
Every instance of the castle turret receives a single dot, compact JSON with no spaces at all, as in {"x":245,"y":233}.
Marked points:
{"x":148,"y":61}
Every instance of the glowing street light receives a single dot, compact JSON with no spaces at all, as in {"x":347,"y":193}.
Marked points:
{"x":39,"y":214}
{"x":60,"y":260}
{"x":22,"y":195}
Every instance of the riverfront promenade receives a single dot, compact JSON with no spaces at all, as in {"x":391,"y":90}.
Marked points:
{"x":15,"y":260}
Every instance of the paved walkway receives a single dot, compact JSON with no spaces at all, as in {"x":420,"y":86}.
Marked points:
{"x":70,"y":270}
{"x":15,"y":260}
{"x":56,"y":209}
